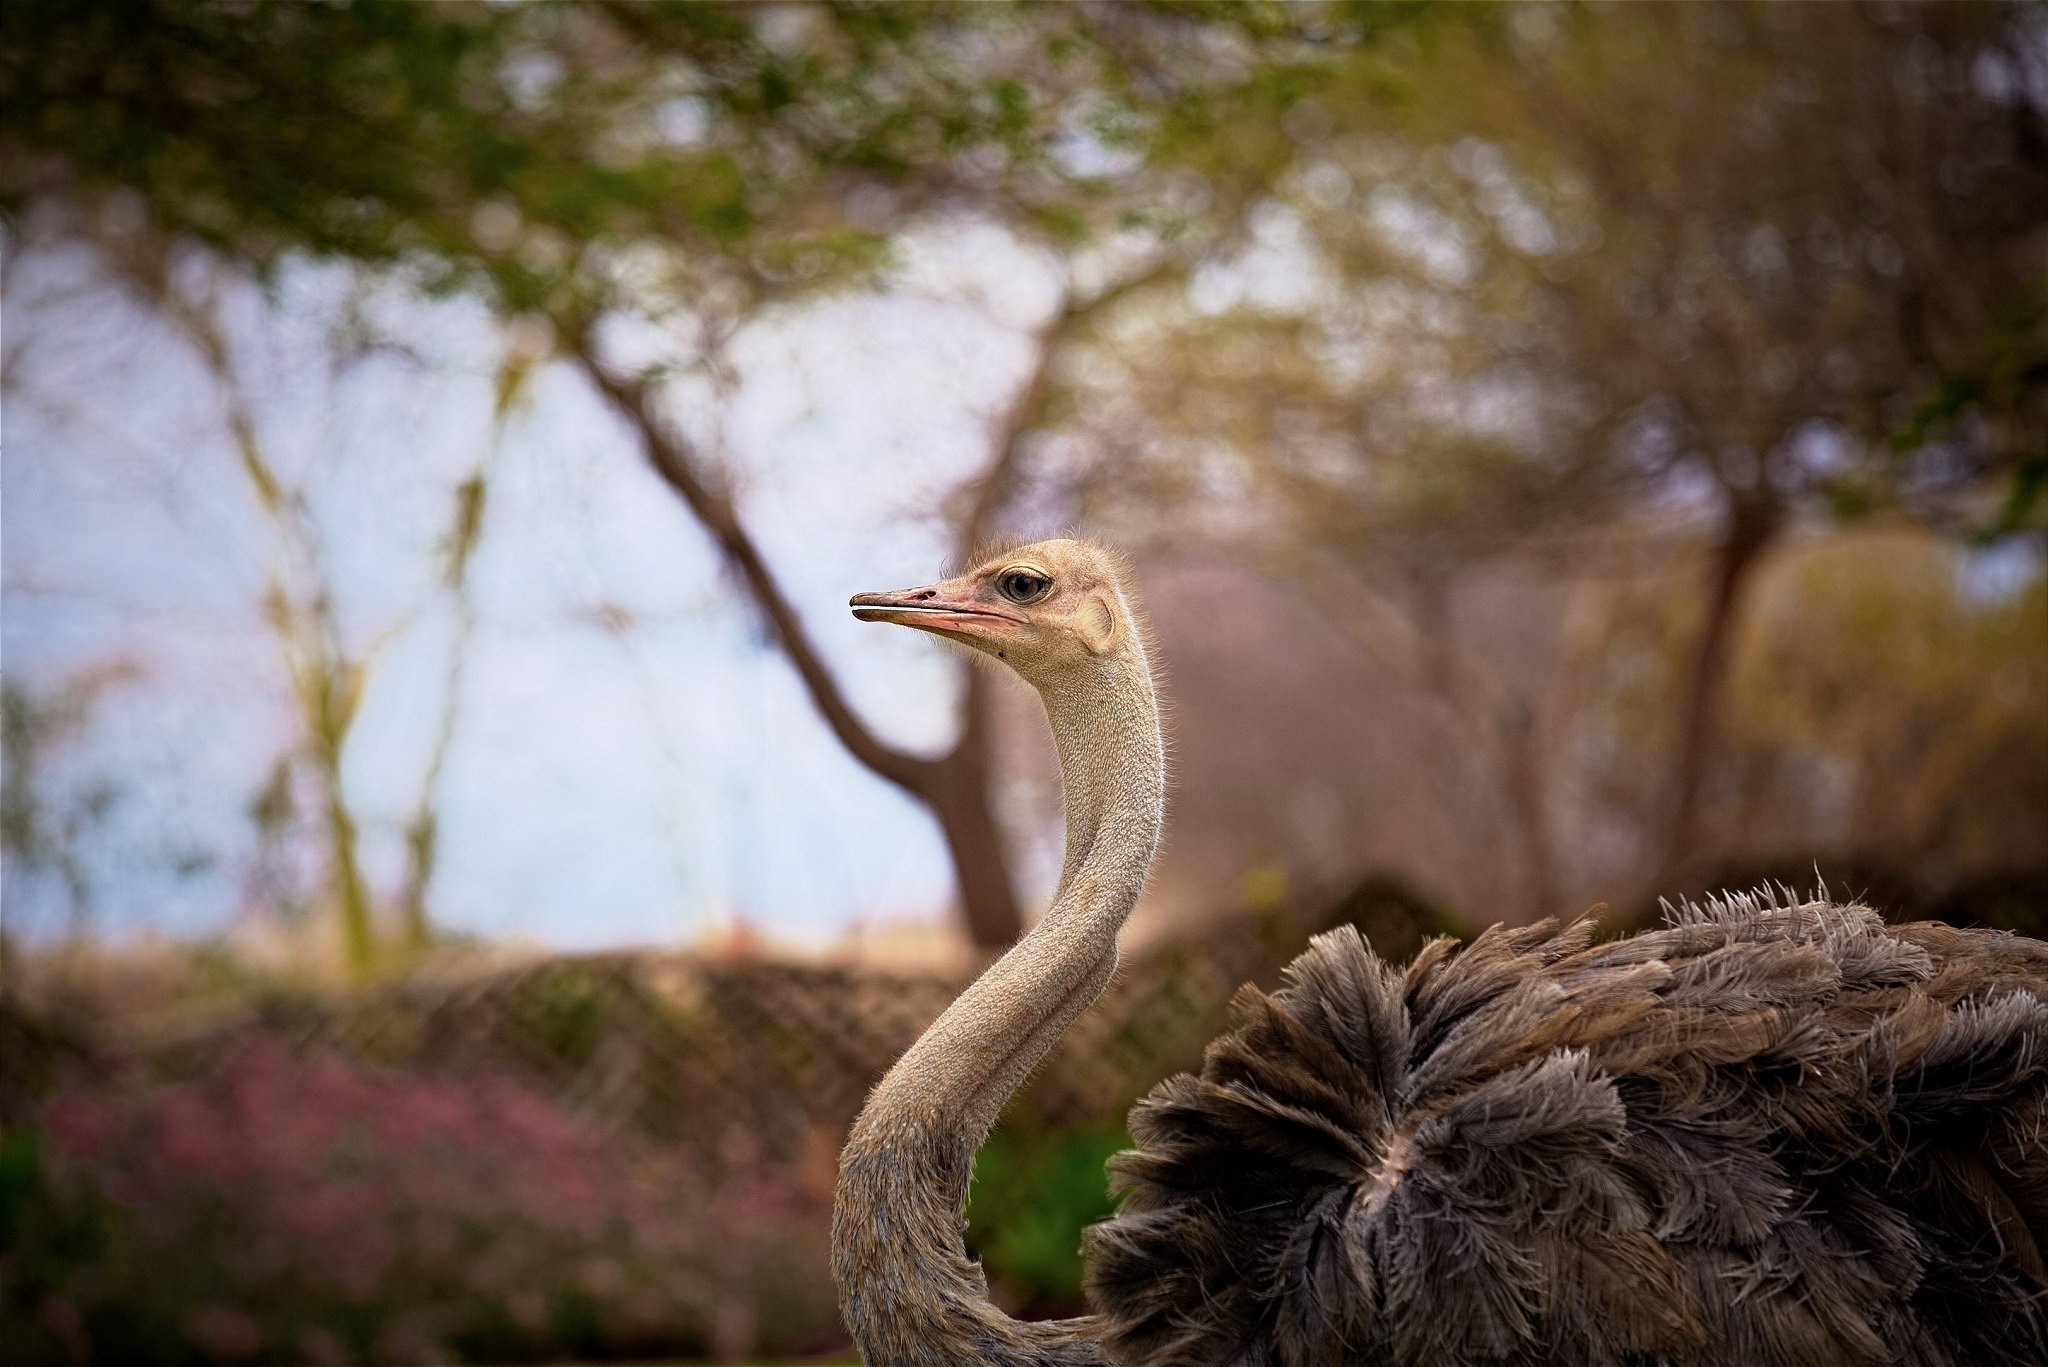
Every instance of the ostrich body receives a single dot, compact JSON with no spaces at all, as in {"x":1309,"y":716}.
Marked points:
{"x":1767,"y":1133}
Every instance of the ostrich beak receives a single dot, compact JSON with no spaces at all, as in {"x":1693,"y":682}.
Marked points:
{"x":949,"y":609}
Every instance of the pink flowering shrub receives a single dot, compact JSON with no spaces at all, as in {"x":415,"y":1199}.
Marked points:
{"x":313,"y":1209}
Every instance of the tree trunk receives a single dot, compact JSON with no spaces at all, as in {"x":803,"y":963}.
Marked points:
{"x":1521,"y":776}
{"x":988,"y":904}
{"x":958,"y":795}
{"x":1753,"y":523}
{"x":1503,"y":732}
{"x":351,"y":897}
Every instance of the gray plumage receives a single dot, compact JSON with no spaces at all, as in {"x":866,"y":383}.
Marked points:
{"x":1767,"y":1133}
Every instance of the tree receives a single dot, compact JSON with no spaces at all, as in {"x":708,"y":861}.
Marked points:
{"x":40,"y":829}
{"x":326,"y":669}
{"x":681,"y":165}
{"x":1604,"y":287}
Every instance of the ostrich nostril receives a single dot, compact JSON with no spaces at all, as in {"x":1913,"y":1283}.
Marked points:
{"x":921,"y":595}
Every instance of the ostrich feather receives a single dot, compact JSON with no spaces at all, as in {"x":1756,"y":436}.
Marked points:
{"x":1769,"y":1132}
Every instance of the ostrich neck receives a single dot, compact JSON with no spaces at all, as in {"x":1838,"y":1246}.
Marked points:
{"x":1112,"y":769}
{"x":1113,"y":781}
{"x":911,"y":1293}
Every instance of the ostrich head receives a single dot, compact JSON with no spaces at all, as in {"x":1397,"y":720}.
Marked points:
{"x":1054,"y":611}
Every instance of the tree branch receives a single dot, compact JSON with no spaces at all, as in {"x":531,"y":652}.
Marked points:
{"x":1752,"y":525}
{"x":678,"y":467}
{"x":1024,"y":411}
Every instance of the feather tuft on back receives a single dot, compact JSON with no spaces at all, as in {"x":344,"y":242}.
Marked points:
{"x":1770,"y":1132}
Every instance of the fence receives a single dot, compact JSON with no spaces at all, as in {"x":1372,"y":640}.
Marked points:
{"x":664,"y":1193}
{"x":690,"y":1049}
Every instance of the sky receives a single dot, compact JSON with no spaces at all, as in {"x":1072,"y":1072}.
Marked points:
{"x":631,"y":761}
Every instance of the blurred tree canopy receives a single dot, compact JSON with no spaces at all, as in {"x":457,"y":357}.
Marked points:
{"x":1597,"y":287}
{"x":529,"y":150}
{"x":1760,"y":254}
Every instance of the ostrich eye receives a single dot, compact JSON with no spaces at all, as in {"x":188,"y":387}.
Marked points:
{"x":1022,"y":586}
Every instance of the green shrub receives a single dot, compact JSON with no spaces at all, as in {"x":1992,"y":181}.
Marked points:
{"x":1035,"y":1189}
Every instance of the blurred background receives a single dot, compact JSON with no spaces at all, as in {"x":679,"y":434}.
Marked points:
{"x":462,"y":864}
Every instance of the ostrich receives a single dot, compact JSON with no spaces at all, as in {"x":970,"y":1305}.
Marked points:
{"x":1770,"y":1132}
